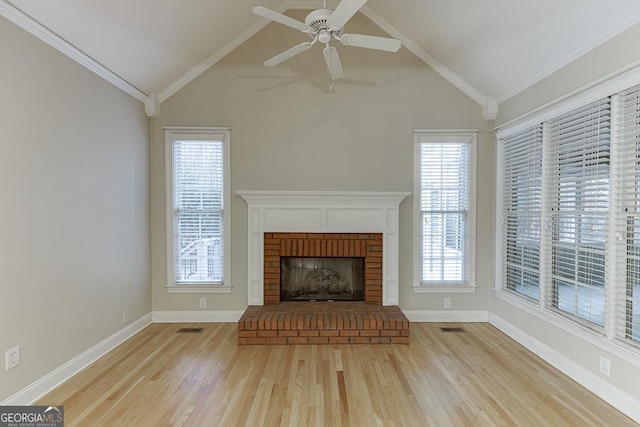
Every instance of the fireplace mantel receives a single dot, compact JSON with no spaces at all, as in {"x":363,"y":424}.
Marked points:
{"x":323,"y":212}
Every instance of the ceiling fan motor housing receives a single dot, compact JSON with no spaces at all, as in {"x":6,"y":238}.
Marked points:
{"x":317,"y":20}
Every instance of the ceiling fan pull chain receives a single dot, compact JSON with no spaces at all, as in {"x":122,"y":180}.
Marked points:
{"x":330,"y":68}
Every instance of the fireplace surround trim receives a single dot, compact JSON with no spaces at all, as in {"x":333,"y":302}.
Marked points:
{"x":323,"y":212}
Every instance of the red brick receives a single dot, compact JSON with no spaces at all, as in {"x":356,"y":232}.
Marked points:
{"x":331,"y":236}
{"x":256,"y":341}
{"x":280,"y":235}
{"x":348,"y":333}
{"x":286,"y":333}
{"x":287,"y":321}
{"x":276,"y":340}
{"x":389,"y":333}
{"x":329,"y":333}
{"x":298,"y":340}
{"x":353,"y":323}
{"x":338,"y":340}
{"x":369,"y":333}
{"x":298,"y":235}
{"x":267,"y":334}
{"x":309,"y":333}
{"x":360,"y":340}
{"x":318,"y":340}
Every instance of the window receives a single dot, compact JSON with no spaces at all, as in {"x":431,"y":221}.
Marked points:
{"x":581,"y":255}
{"x":522,"y":211}
{"x":579,"y":147}
{"x":197,"y":223}
{"x":445,"y":183}
{"x":627,"y":211}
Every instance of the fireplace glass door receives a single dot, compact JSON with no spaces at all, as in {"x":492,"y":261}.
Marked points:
{"x":321,"y":279}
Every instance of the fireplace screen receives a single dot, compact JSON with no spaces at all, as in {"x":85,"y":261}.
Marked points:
{"x":321,"y":279}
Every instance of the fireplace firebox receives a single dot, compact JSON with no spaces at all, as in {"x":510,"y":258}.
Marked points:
{"x":321,"y":278}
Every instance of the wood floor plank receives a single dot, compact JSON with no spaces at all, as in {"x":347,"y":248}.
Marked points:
{"x":475,"y":378}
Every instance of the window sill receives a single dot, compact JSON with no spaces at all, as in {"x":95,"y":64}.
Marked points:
{"x":200,"y":289}
{"x":444,"y":289}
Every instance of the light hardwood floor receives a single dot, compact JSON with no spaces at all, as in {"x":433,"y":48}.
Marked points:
{"x":477,"y":378}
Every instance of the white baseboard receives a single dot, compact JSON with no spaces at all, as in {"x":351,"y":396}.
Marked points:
{"x":56,"y":377}
{"x":620,"y":400}
{"x":446,"y":316}
{"x":225,"y":316}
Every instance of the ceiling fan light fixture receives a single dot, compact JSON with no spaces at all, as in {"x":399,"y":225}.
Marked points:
{"x":324,"y":36}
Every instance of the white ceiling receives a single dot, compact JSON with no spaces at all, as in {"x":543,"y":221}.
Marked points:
{"x":490,"y":49}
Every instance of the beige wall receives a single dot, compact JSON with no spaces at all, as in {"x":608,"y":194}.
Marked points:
{"x":287,"y":133}
{"x":617,"y":54}
{"x":74,"y":228}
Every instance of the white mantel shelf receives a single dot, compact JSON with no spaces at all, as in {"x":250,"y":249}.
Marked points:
{"x":327,"y":198}
{"x":323,"y":212}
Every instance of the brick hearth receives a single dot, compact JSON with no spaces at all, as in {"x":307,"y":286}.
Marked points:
{"x":339,"y":322}
{"x":323,"y":323}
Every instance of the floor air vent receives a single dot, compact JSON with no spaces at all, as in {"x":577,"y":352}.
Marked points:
{"x":189,"y":331}
{"x":452,"y":329}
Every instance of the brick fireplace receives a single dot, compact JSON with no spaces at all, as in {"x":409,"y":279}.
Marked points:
{"x":365,"y":245}
{"x":323,"y":224}
{"x":322,"y":212}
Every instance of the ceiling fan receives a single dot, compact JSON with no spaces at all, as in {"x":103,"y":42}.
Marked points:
{"x":325,"y":25}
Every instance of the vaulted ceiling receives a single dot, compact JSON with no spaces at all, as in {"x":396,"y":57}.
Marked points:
{"x":491,"y":49}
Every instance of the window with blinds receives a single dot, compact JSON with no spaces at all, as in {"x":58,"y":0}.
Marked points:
{"x":197,"y":208}
{"x":444,"y":201}
{"x":627,"y":214}
{"x":579,"y":160}
{"x":571,"y":229}
{"x":522,"y":210}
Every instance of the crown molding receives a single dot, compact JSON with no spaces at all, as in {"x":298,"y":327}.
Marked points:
{"x":609,"y":33}
{"x":35,"y":28}
{"x":194,"y":72}
{"x":445,"y":72}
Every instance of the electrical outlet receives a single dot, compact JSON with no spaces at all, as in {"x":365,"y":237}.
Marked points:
{"x":12,"y":358}
{"x":605,"y":367}
{"x":203,"y":303}
{"x":447,"y":303}
{"x":125,"y":317}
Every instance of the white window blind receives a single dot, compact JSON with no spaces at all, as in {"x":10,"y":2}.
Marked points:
{"x":627,"y":214}
{"x":198,"y":211}
{"x":522,"y":209}
{"x":578,"y":187}
{"x":444,"y":186}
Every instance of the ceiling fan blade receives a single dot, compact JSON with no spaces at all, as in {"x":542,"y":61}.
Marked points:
{"x":345,"y":10}
{"x":283,"y":19}
{"x":371,"y":42}
{"x":288,"y":54}
{"x":333,"y":62}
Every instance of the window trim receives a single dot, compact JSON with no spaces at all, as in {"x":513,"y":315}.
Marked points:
{"x":173,"y":133}
{"x":434,"y":136}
